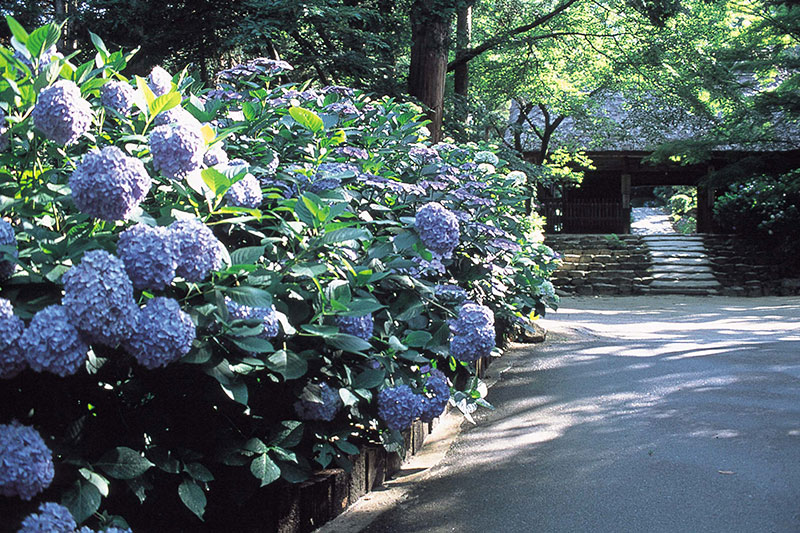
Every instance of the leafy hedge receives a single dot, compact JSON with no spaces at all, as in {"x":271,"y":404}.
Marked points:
{"x":209,"y":291}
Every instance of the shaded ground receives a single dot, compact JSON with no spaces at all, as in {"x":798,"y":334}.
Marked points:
{"x":648,"y":414}
{"x":650,"y":221}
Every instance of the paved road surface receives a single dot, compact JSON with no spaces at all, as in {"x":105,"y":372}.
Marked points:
{"x":648,"y":414}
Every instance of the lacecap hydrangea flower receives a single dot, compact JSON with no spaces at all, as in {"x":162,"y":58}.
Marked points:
{"x":177,"y":149}
{"x":197,"y":250}
{"x":437,"y":228}
{"x":52,"y":343}
{"x":245,"y":193}
{"x":435,"y":401}
{"x":118,"y":95}
{"x":546,"y":290}
{"x":325,"y":409}
{"x":267,"y":316}
{"x":7,"y":238}
{"x":162,"y":334}
{"x":108,"y":184}
{"x":398,"y":406}
{"x":473,"y":333}
{"x":149,"y":256}
{"x":98,"y":296}
{"x":51,"y":518}
{"x":27,"y":462}
{"x":486,"y":157}
{"x":12,"y":361}
{"x":61,"y":114}
{"x":160,"y":81}
{"x":359,"y":326}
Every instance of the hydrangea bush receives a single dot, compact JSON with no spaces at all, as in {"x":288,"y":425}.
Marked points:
{"x":209,"y":292}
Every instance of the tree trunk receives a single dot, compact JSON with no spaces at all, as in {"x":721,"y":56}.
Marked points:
{"x":463,"y":42}
{"x":430,"y":42}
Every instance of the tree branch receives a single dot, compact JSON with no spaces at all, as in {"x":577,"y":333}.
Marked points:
{"x":472,"y":53}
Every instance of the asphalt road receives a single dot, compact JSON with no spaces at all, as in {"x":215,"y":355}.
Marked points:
{"x":646,"y":414}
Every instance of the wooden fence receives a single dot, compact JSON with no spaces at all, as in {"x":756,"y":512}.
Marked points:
{"x":585,"y":216}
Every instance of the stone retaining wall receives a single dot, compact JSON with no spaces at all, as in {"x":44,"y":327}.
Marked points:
{"x":600,"y":264}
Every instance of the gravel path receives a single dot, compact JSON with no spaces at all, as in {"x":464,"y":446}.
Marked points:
{"x":645,"y":414}
{"x":650,"y":221}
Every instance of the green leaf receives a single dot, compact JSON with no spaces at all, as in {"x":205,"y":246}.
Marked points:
{"x":264,"y":469}
{"x":417,"y":339}
{"x":256,"y":446}
{"x":307,"y":119}
{"x":216,"y":180}
{"x":16,"y":29}
{"x":165,"y":102}
{"x":145,"y":90}
{"x":249,"y":111}
{"x":292,"y":472}
{"x":348,"y":398}
{"x":247,"y":255}
{"x":250,"y":296}
{"x":96,"y":479}
{"x":323,"y":331}
{"x":369,"y":378}
{"x":348,"y":343}
{"x":347,"y":447}
{"x":289,"y":435}
{"x":288,"y":364}
{"x":253,"y":344}
{"x":124,"y":463}
{"x":236,"y":391}
{"x":99,"y":45}
{"x":345,"y":234}
{"x":193,"y":497}
{"x":41,"y":39}
{"x":199,"y":472}
{"x":363,"y":306}
{"x":82,"y":499}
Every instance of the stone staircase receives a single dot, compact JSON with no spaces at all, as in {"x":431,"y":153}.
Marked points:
{"x":680,"y":265}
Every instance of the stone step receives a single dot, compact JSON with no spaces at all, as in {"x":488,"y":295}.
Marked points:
{"x":683,"y":276}
{"x":681,"y":261}
{"x":684,"y":247}
{"x":683,"y":291}
{"x":685,"y":253}
{"x":685,"y":284}
{"x":679,"y":267}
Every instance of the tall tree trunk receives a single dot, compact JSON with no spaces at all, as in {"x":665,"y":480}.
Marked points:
{"x":430,"y":42}
{"x":463,"y":42}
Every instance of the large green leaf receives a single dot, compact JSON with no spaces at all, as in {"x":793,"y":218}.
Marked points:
{"x":123,"y":463}
{"x":369,"y":378}
{"x":250,"y":296}
{"x":99,"y":45}
{"x":265,"y":469}
{"x":216,"y":180}
{"x":193,"y":497}
{"x":165,"y":102}
{"x":82,"y":499}
{"x":348,"y":343}
{"x":288,"y":364}
{"x":345,"y":234}
{"x":16,"y":29}
{"x":307,"y":119}
{"x":288,"y":435}
{"x":417,"y":339}
{"x":42,"y":38}
{"x":247,"y":255}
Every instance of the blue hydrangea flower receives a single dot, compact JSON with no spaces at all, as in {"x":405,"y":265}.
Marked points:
{"x":546,"y":290}
{"x":505,"y":244}
{"x":472,"y":316}
{"x":61,"y":114}
{"x":272,"y":166}
{"x":255,"y":66}
{"x":423,"y":154}
{"x":149,"y":256}
{"x":7,"y":238}
{"x":342,"y":108}
{"x":109,"y":185}
{"x":52,"y":343}
{"x":98,"y":295}
{"x":338,"y":89}
{"x":27,"y":462}
{"x":51,"y":518}
{"x":473,"y":333}
{"x":177,"y":149}
{"x":177,"y":115}
{"x":49,"y":55}
{"x":438,"y":228}
{"x":160,"y":81}
{"x":359,"y":326}
{"x":118,"y":95}
{"x":319,"y":410}
{"x":215,"y":155}
{"x":162,"y":333}
{"x":245,"y":193}
{"x":398,"y":406}
{"x":450,"y":294}
{"x":12,"y":361}
{"x":3,"y":131}
{"x":116,"y":530}
{"x":197,"y":250}
{"x":352,"y":151}
{"x":438,"y":395}
{"x":266,"y":315}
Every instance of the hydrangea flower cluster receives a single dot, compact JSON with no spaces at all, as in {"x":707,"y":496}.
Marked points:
{"x":3,"y":131}
{"x":177,"y":115}
{"x":342,"y":108}
{"x":253,"y":67}
{"x":109,"y":185}
{"x":341,"y":90}
{"x":438,"y":228}
{"x":505,"y":244}
{"x":245,"y":193}
{"x":325,"y":410}
{"x":49,"y":55}
{"x":51,"y":518}
{"x":358,"y":326}
{"x":162,"y":334}
{"x":149,"y":256}
{"x":473,"y":333}
{"x":486,"y":157}
{"x":12,"y":360}
{"x":546,"y":290}
{"x":398,"y":406}
{"x":7,"y":238}
{"x":267,"y":316}
{"x":159,"y":81}
{"x":61,"y":114}
{"x":423,"y":154}
{"x":118,"y":95}
{"x":98,"y":296}
{"x":197,"y":250}
{"x":353,"y":152}
{"x":450,"y":294}
{"x":52,"y":343}
{"x":177,"y":149}
{"x":27,"y":462}
{"x":215,"y":155}
{"x":438,"y":390}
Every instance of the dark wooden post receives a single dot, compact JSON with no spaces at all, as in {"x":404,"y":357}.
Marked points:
{"x":625,"y":223}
